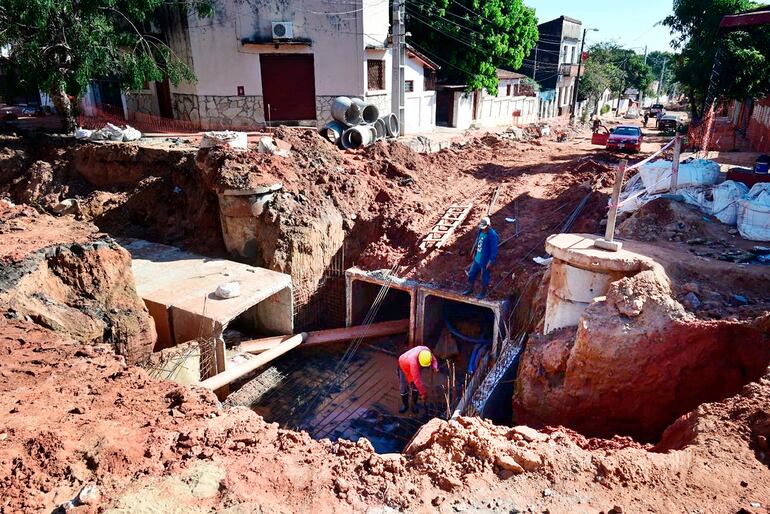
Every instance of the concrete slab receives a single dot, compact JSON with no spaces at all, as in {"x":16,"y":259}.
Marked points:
{"x":184,"y":283}
{"x":579,"y":251}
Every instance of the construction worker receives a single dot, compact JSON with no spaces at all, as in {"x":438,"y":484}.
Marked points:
{"x":410,"y":363}
{"x":483,"y":257}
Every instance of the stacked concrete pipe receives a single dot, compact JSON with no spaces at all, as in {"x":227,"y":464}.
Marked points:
{"x":357,"y":123}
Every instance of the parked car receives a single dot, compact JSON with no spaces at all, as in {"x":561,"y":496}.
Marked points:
{"x":669,"y":122}
{"x":655,"y":109}
{"x":632,"y":114}
{"x":625,"y":137}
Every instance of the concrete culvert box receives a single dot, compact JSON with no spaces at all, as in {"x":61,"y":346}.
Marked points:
{"x":363,"y":289}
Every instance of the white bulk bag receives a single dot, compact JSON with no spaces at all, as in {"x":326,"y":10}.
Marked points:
{"x":754,"y":213}
{"x":726,"y":196}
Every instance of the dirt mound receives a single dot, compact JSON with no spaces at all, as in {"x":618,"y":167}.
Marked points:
{"x":63,"y":275}
{"x":79,"y":417}
{"x":606,"y":377}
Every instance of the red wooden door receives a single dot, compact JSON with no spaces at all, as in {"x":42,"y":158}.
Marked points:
{"x":288,"y":87}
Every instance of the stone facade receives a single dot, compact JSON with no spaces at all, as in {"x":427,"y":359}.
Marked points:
{"x":247,"y":112}
{"x":143,"y":102}
{"x":186,"y":107}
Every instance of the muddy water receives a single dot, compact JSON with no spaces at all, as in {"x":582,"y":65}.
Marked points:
{"x":309,"y":390}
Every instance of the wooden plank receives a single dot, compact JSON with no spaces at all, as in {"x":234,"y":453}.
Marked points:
{"x":230,"y":375}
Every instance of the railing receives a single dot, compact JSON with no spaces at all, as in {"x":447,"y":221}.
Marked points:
{"x":568,"y":69}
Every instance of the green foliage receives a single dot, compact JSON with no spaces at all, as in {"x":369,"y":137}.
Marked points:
{"x":745,"y":55}
{"x":61,"y":45}
{"x":611,"y":67}
{"x":605,"y":109}
{"x":472,"y":38}
{"x":656,"y":60}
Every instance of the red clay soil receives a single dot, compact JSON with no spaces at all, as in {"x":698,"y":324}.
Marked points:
{"x":75,"y":415}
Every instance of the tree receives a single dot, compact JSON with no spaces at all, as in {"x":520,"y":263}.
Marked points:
{"x":744,"y":56}
{"x":662,"y":63}
{"x":611,"y":67}
{"x":473,"y":38}
{"x":60,"y":46}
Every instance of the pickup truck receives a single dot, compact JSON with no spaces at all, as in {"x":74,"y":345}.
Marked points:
{"x":655,"y":109}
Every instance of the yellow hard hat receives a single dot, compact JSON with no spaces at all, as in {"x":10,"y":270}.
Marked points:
{"x":425,"y":358}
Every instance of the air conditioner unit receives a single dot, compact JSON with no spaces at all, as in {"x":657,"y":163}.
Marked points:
{"x":283,"y":30}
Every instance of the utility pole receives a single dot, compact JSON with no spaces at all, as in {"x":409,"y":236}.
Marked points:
{"x":660,"y":82}
{"x":398,"y":8}
{"x":641,"y":92}
{"x":577,"y":79}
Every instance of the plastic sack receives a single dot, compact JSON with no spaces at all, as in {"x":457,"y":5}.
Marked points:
{"x":131,"y":134}
{"x":753,"y":216}
{"x":656,"y":176}
{"x":81,"y":133}
{"x":726,"y":196}
{"x":236,"y":140}
{"x":228,"y":290}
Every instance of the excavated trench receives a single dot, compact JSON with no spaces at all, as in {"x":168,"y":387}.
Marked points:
{"x":570,"y":378}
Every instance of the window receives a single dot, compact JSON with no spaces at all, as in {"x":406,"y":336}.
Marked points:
{"x":430,"y":80}
{"x":564,"y":55}
{"x":573,"y":61}
{"x":409,"y":86}
{"x":509,"y":90}
{"x":375,"y":74}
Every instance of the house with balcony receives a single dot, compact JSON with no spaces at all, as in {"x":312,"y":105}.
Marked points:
{"x":268,"y":63}
{"x":553,"y":63}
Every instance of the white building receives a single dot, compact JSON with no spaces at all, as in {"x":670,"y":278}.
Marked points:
{"x":264,"y":62}
{"x":513,"y":104}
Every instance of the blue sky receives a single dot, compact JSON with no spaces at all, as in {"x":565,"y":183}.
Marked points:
{"x":629,"y":23}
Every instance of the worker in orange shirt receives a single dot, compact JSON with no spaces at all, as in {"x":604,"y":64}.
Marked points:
{"x":410,"y":363}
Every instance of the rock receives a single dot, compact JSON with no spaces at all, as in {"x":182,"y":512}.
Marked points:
{"x":341,"y":485}
{"x":66,"y":206}
{"x":449,"y":483}
{"x":527,"y":459}
{"x":508,"y":463}
{"x":691,"y":301}
{"x":756,"y":505}
{"x":438,"y":500}
{"x":732,"y":231}
{"x":697,"y":241}
{"x":547,"y":492}
{"x":529,"y":434}
{"x":762,"y":442}
{"x":617,"y":509}
{"x":88,"y":495}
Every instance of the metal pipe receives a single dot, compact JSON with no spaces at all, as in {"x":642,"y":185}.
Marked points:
{"x":332,"y":131}
{"x":346,"y":111}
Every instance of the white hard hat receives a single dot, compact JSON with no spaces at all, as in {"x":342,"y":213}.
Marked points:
{"x":485,"y":222}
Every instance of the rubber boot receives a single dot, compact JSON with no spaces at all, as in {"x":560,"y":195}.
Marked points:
{"x":404,"y":402}
{"x":415,"y":398}
{"x":468,"y":291}
{"x":483,"y":293}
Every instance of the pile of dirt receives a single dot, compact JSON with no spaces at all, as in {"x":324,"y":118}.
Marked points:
{"x":126,"y":189}
{"x":637,"y":359}
{"x":64,"y":275}
{"x":80,"y":423}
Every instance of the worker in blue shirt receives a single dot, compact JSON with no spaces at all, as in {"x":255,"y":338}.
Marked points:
{"x":484,"y":257}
